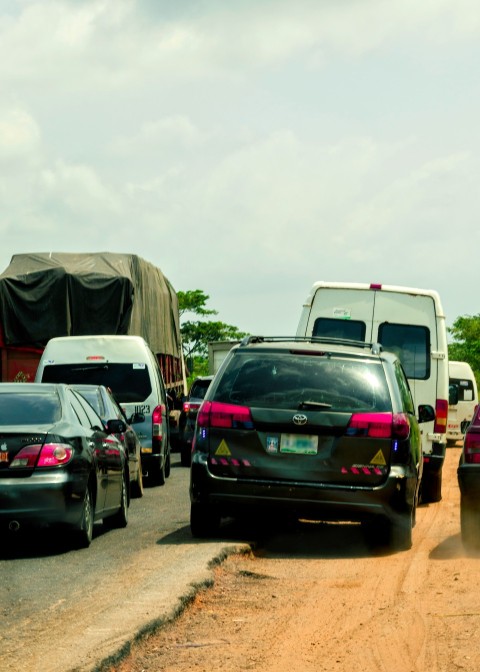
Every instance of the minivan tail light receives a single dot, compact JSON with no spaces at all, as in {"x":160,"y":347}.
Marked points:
{"x":230,"y":416}
{"x":48,"y":455}
{"x":441,"y":412}
{"x":157,"y":422}
{"x":379,"y":425}
{"x":471,"y":447}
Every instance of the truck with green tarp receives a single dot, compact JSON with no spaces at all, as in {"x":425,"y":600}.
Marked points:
{"x":44,"y":295}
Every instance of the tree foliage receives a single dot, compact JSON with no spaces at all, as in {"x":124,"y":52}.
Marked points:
{"x":197,"y":334}
{"x":465,"y":346}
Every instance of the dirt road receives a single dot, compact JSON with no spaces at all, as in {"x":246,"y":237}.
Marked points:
{"x":317,"y":599}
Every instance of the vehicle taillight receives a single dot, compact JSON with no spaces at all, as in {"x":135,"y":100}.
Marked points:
{"x":190,"y":406}
{"x":471,"y":446}
{"x":379,"y":425}
{"x":441,"y":412}
{"x":48,"y":455}
{"x":157,"y":427}
{"x":230,"y":416}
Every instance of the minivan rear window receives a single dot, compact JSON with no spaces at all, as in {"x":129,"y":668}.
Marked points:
{"x":289,"y":380}
{"x":128,"y":382}
{"x":411,"y":344}
{"x":354,"y":330}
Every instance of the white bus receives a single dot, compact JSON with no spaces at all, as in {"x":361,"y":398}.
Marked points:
{"x":407,"y":321}
{"x":465,"y":395}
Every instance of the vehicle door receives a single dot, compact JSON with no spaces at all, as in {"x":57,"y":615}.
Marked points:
{"x":342,"y":313}
{"x":108,"y":454}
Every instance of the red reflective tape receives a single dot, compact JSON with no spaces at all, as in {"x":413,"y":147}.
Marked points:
{"x":224,"y":462}
{"x":235,"y":463}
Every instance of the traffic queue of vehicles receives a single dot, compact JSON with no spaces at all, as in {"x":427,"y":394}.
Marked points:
{"x":346,"y":421}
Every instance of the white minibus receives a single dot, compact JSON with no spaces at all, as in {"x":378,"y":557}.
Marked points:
{"x":407,"y":321}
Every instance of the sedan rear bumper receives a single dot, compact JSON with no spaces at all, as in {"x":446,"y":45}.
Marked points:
{"x":42,"y":499}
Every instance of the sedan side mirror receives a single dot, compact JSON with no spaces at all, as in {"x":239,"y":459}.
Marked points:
{"x":426,"y":413}
{"x":116,"y":426}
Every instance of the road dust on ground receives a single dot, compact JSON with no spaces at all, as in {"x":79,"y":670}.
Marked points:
{"x":316,"y":598}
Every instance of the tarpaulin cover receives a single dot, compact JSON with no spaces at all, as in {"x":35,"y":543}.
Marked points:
{"x":43,"y":295}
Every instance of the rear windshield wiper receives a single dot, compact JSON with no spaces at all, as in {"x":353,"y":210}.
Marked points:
{"x":313,"y":404}
{"x":97,"y":367}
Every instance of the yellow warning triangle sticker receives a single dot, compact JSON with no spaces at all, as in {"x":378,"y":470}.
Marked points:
{"x":378,"y":458}
{"x":223,"y":449}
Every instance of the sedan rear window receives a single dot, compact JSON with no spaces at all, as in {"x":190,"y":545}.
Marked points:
{"x":296,"y":381}
{"x":29,"y":408}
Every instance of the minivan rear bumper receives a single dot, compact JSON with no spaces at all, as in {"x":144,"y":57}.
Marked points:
{"x":317,"y":501}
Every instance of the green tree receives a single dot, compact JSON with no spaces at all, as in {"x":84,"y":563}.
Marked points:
{"x":197,"y":334}
{"x":465,"y":346}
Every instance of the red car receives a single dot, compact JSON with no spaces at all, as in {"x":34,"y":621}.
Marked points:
{"x":469,"y":482}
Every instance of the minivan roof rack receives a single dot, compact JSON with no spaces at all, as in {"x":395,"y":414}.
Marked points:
{"x":376,"y":348}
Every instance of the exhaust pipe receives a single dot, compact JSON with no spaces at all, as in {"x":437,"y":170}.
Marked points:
{"x":14,"y":525}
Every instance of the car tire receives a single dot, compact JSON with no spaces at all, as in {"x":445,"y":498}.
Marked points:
{"x":431,"y":487}
{"x":204,"y":520}
{"x":401,"y":533}
{"x":156,"y":473}
{"x":470,"y":524}
{"x":136,"y":487}
{"x":120,"y":518}
{"x":185,"y":455}
{"x":83,"y":532}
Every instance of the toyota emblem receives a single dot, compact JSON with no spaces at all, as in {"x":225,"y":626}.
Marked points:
{"x":300,"y":419}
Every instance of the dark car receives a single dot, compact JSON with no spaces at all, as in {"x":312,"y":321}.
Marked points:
{"x":188,"y":416}
{"x":468,"y":474}
{"x":58,"y":463}
{"x":317,"y":428}
{"x":107,"y":407}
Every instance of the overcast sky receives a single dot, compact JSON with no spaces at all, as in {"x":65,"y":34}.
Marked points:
{"x":248,"y":148}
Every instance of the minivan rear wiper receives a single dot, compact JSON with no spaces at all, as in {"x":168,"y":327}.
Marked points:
{"x":97,"y":367}
{"x":313,"y":404}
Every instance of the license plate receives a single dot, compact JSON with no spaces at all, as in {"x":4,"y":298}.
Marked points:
{"x":299,"y":444}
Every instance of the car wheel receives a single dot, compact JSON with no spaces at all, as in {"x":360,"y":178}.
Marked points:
{"x":401,"y":533}
{"x":431,"y":487}
{"x":185,"y":455}
{"x":120,"y":519}
{"x":83,"y":532}
{"x":136,"y":487}
{"x":156,"y":473}
{"x":470,"y":524}
{"x":204,"y":520}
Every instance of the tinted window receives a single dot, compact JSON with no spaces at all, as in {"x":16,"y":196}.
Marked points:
{"x":333,"y":328}
{"x":199,"y":388}
{"x":29,"y":408}
{"x":85,"y":410}
{"x":411,"y":344}
{"x":286,"y":380}
{"x":129,"y":382}
{"x":94,"y":398}
{"x":405,"y":393}
{"x":465,"y":389}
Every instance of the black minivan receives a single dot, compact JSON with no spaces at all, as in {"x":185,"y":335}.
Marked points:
{"x":321,"y":428}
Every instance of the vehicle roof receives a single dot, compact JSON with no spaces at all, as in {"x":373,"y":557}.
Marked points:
{"x":32,"y":387}
{"x":314,"y":345}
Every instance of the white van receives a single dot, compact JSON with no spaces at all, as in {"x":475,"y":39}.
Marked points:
{"x":407,"y":321}
{"x":128,"y":367}
{"x":465,"y":394}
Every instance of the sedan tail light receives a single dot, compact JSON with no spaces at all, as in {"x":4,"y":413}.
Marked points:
{"x":471,"y":447}
{"x":230,"y":416}
{"x":48,"y":455}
